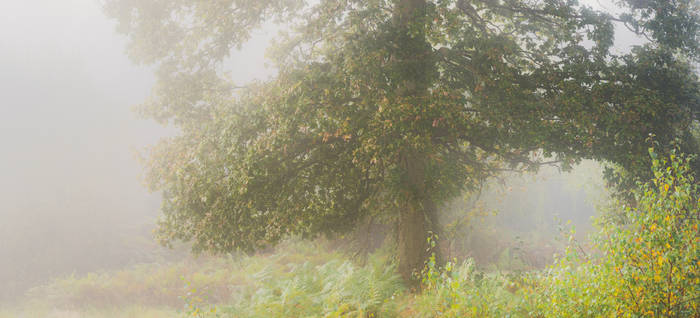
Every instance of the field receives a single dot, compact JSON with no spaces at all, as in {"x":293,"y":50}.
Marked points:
{"x":298,"y":279}
{"x":646,"y":265}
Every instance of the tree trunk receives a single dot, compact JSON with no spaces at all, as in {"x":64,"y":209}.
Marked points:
{"x":411,"y":243}
{"x":417,"y":218}
{"x":412,"y":60}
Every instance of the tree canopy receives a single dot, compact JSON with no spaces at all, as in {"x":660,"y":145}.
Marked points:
{"x":389,"y":108}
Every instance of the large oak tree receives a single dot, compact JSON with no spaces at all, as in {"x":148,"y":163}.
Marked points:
{"x":389,"y":108}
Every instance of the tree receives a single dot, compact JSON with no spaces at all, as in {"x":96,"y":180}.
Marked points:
{"x":387,"y":108}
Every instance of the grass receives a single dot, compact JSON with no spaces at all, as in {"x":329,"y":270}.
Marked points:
{"x":648,"y":266}
{"x":127,"y":312}
{"x":299,"y":279}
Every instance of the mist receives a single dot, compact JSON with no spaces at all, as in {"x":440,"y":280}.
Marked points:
{"x":70,"y":191}
{"x":71,"y":194}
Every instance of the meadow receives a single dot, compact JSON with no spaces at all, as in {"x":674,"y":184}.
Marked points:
{"x":646,"y":265}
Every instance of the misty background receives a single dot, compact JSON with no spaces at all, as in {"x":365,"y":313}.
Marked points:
{"x":71,"y":199}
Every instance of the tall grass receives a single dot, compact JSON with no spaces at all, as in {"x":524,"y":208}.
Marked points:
{"x":647,"y":266}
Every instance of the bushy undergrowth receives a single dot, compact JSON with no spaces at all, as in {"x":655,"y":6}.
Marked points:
{"x":299,"y":279}
{"x":146,"y":285}
{"x":334,"y":289}
{"x":464,"y":291}
{"x":647,"y":264}
{"x":212,"y":280}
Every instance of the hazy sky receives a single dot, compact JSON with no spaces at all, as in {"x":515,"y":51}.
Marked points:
{"x":70,"y":186}
{"x":67,"y":88}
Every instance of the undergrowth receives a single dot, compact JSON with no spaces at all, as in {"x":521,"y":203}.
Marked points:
{"x":646,"y":264}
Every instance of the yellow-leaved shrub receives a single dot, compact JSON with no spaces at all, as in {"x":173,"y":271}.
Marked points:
{"x":647,"y":266}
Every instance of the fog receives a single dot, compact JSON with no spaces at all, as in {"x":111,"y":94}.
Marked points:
{"x":69,"y":187}
{"x":71,"y":199}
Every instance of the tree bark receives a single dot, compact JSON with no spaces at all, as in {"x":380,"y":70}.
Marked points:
{"x":412,"y":61}
{"x":412,"y":226}
{"x":411,"y":243}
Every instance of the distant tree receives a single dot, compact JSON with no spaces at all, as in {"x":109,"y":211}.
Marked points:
{"x":390,"y":108}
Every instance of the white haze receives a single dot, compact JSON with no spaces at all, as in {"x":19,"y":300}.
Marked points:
{"x":70,"y":192}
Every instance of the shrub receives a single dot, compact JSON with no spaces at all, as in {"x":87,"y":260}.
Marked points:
{"x":463,"y":291}
{"x":648,"y":265}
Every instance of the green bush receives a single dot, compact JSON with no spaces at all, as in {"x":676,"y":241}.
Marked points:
{"x":647,"y":266}
{"x":464,"y":291}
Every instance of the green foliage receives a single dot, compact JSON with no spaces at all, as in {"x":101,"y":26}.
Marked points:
{"x":574,"y":287}
{"x":647,"y":266}
{"x":386,"y":107}
{"x":673,"y":24}
{"x":456,"y":290}
{"x":195,"y":304}
{"x":333,"y":289}
{"x":298,"y":279}
{"x":463,"y":291}
{"x":657,"y":256}
{"x":210,"y":280}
